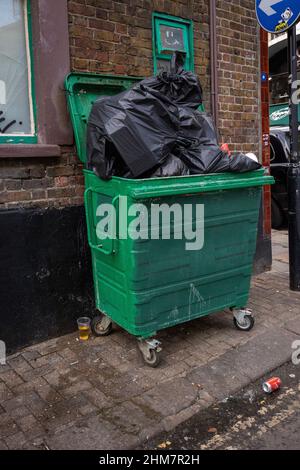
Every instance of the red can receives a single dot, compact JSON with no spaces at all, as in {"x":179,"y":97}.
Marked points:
{"x":272,"y":385}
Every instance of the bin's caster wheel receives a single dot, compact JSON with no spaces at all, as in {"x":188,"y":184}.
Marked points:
{"x":150,"y":351}
{"x":101,"y":325}
{"x":243,"y":320}
{"x":152,"y":359}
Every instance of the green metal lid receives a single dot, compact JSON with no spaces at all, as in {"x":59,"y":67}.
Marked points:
{"x":83,"y":89}
{"x":178,"y":185}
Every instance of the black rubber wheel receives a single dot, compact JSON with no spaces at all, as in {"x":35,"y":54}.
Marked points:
{"x":277,"y":216}
{"x":99,"y":328}
{"x":153,"y":359}
{"x":247,"y":325}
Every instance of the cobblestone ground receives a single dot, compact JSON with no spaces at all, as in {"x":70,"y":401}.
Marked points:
{"x":102,"y":390}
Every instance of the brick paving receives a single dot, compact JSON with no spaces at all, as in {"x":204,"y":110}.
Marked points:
{"x":102,"y":389}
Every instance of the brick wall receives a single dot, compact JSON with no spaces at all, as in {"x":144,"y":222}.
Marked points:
{"x":41,"y":182}
{"x":116,"y":37}
{"x":238,"y":57}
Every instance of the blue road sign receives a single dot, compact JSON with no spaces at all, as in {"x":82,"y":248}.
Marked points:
{"x":276,"y":16}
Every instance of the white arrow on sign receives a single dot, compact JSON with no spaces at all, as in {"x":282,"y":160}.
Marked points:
{"x":266,"y":6}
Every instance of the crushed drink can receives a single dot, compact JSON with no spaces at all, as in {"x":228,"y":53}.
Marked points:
{"x":272,"y":385}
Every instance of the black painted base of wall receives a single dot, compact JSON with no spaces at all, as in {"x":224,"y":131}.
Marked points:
{"x":46,"y":276}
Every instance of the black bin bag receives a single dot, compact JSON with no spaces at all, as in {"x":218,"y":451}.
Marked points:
{"x":155,"y":130}
{"x":103,"y":156}
{"x":199,"y":149}
{"x":134,"y":133}
{"x":172,"y":166}
{"x":141,"y":127}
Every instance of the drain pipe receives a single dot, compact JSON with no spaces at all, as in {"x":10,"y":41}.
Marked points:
{"x":213,"y":62}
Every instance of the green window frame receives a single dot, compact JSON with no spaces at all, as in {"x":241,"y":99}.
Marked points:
{"x":32,"y":137}
{"x":163,"y":53}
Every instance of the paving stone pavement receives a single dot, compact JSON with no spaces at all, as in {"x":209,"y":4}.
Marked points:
{"x":63,"y":394}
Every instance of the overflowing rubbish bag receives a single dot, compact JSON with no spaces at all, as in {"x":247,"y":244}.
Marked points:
{"x":155,"y":130}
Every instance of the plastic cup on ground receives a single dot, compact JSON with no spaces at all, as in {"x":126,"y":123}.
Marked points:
{"x":84,"y":327}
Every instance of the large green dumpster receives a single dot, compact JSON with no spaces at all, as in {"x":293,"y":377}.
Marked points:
{"x":145,"y":284}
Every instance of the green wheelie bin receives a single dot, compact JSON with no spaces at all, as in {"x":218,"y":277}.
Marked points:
{"x":143,"y":284}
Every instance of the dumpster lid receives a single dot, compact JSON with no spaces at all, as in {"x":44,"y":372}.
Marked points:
{"x":83,"y":89}
{"x":140,"y":189}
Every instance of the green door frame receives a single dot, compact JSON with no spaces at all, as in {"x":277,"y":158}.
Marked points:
{"x":185,"y":25}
